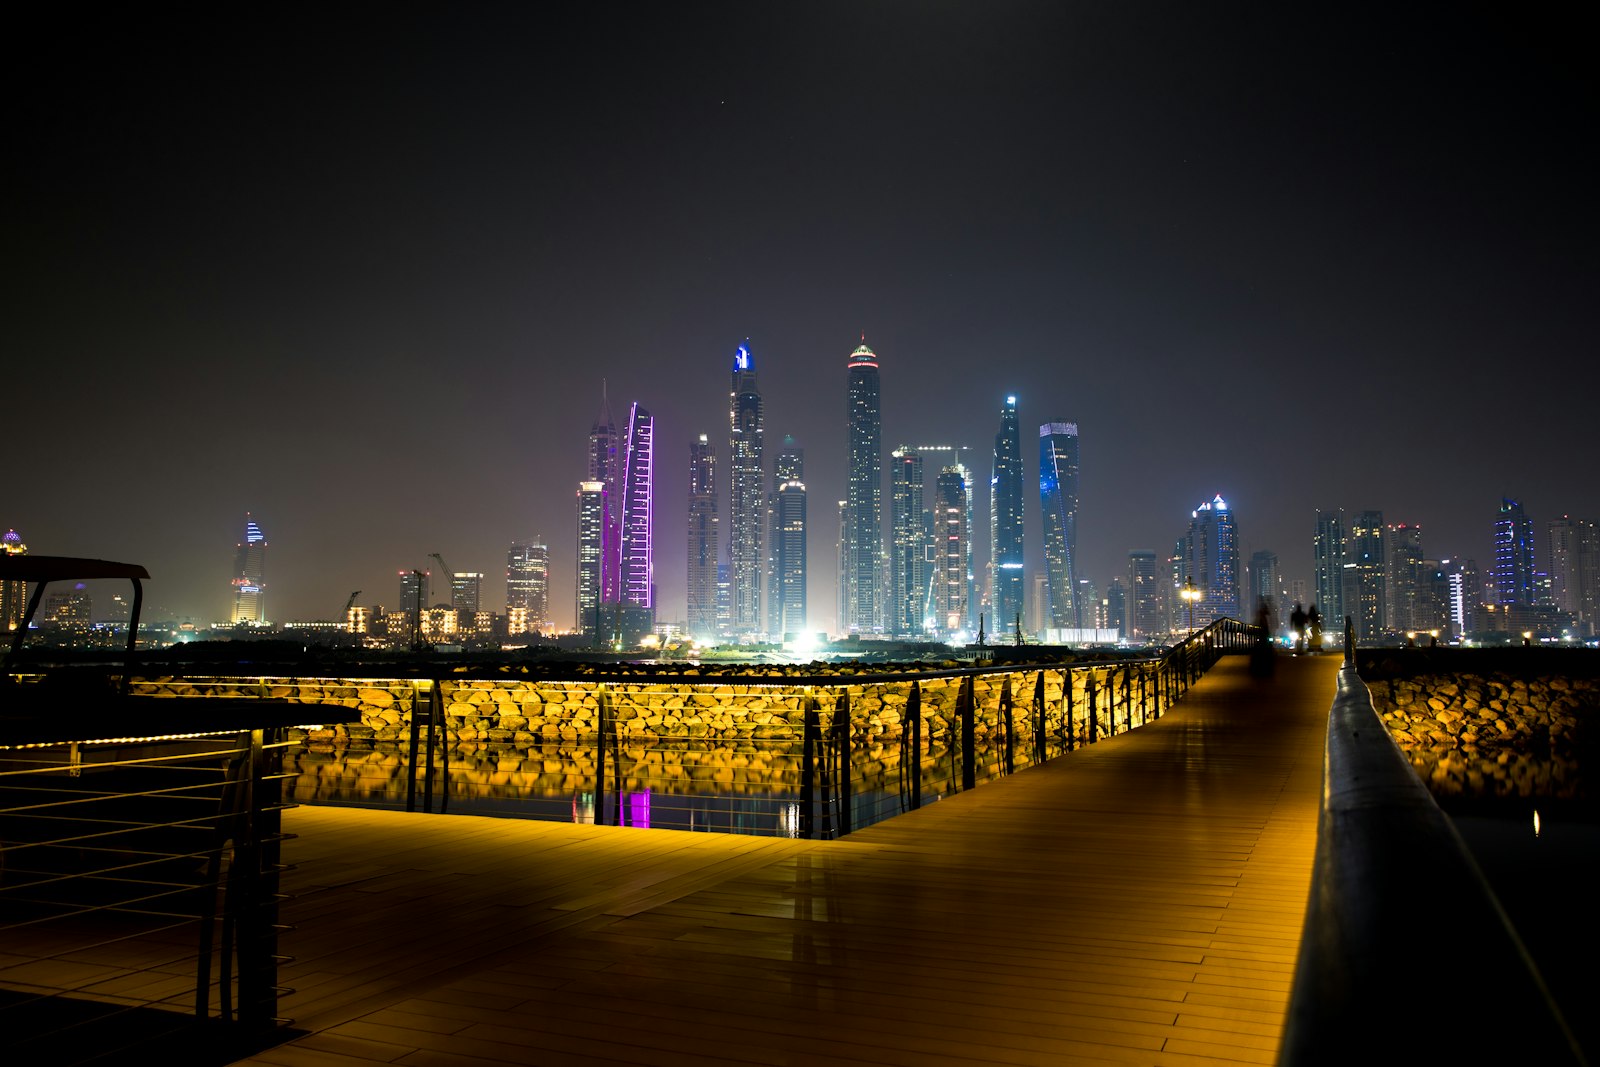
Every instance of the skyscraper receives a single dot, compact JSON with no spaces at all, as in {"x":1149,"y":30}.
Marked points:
{"x":1513,"y":555}
{"x":1362,"y":590}
{"x":13,"y":595}
{"x":638,"y":510}
{"x":528,"y":583}
{"x":1405,"y":582}
{"x":1146,"y":616}
{"x":413,"y":591}
{"x":1058,"y":500}
{"x":1211,"y":561}
{"x":1116,"y":611}
{"x":909,"y":550}
{"x":786,"y":596}
{"x":591,"y":541}
{"x":746,"y":470}
{"x":466,"y":592}
{"x":702,"y":573}
{"x":605,"y":467}
{"x":952,"y":530}
{"x":1005,"y":524}
{"x":864,"y":492}
{"x":249,"y":586}
{"x":1327,"y":567}
{"x":1574,"y":555}
{"x":1264,"y":585}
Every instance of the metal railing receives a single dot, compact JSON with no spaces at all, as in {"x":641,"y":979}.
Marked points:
{"x":752,"y":751}
{"x":1397,"y":903}
{"x":139,"y":890}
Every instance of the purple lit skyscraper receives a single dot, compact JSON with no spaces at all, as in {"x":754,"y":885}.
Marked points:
{"x":638,"y":503}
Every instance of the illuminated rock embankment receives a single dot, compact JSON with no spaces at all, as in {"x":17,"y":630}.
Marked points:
{"x":732,"y":732}
{"x":1493,"y":736}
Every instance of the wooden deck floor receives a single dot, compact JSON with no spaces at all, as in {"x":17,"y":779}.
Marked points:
{"x":1137,"y":902}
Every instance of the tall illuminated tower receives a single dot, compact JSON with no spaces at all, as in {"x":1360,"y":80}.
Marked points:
{"x":1146,"y":611}
{"x":1211,"y":561}
{"x":1405,"y":588}
{"x":1361,"y":589}
{"x":952,"y":515}
{"x":1058,"y":500}
{"x":909,"y":548}
{"x":746,"y":510}
{"x":864,"y":494}
{"x":1513,"y":555}
{"x":1328,"y":551}
{"x":605,"y":466}
{"x":249,"y":586}
{"x":638,"y":510}
{"x":591,"y":541}
{"x":13,"y":595}
{"x":1574,"y":564}
{"x":702,"y":572}
{"x":1006,"y":582}
{"x":786,"y":596}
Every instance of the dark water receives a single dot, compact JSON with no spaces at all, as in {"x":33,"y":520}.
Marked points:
{"x":1544,"y":881}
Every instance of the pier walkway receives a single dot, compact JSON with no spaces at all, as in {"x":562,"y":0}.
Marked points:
{"x":1135,"y":902}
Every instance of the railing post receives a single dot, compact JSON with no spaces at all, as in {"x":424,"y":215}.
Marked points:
{"x":600,"y":756}
{"x":841,"y":729}
{"x":1005,"y":716}
{"x":1039,"y":752}
{"x":1127,"y":694}
{"x":808,"y":767}
{"x":411,"y":758}
{"x":1094,"y":712}
{"x":969,"y":762}
{"x":915,"y":706}
{"x":1066,"y":697}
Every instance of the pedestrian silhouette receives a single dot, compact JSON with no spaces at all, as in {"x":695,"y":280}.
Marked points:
{"x":1297,"y":621}
{"x":1314,"y":622}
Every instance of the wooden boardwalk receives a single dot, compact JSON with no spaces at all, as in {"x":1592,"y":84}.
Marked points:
{"x":1136,"y":902}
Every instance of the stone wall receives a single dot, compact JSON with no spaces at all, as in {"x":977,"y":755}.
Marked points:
{"x":513,"y":737}
{"x":1494,"y":736}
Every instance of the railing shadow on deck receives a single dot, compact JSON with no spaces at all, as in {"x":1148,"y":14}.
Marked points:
{"x":1400,"y":914}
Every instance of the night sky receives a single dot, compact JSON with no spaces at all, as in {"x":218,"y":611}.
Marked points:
{"x":361,"y":270}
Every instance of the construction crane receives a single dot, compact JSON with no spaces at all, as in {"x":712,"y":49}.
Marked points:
{"x":449,"y":574}
{"x":344,"y":616}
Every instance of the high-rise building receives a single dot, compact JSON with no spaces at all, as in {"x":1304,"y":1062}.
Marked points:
{"x":909,"y":553}
{"x":786,"y":588}
{"x":1574,"y":555}
{"x":1405,"y":583}
{"x":249,"y":585}
{"x":1058,"y":500}
{"x":1146,"y":616}
{"x":638,"y":510}
{"x":1264,"y":586}
{"x":1514,"y":572}
{"x":746,"y":513}
{"x":952,"y":530}
{"x":528,"y":583}
{"x":605,"y":467}
{"x":702,"y":573}
{"x":13,"y":595}
{"x":1327,"y":567}
{"x":864,"y":525}
{"x":1006,"y":581}
{"x":841,"y":611}
{"x":591,"y":542}
{"x":1211,"y":561}
{"x":1116,"y":607}
{"x":1362,"y":589}
{"x":413,"y":591}
{"x":466,"y":592}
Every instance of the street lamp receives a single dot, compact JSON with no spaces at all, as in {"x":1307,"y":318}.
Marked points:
{"x":1190,"y":594}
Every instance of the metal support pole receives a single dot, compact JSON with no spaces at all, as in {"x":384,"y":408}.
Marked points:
{"x":841,"y":729}
{"x":808,"y":767}
{"x":969,"y":763}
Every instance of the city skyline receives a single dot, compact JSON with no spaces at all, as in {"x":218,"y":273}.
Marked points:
{"x":310,"y":276}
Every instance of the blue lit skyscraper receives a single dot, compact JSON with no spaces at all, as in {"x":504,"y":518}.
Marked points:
{"x":1058,"y":499}
{"x":1211,"y":561}
{"x":249,"y":586}
{"x":1006,"y":582}
{"x":1514,"y":579}
{"x":863,"y":547}
{"x":746,"y":497}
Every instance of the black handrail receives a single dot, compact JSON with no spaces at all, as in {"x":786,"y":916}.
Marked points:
{"x":1383,"y":847}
